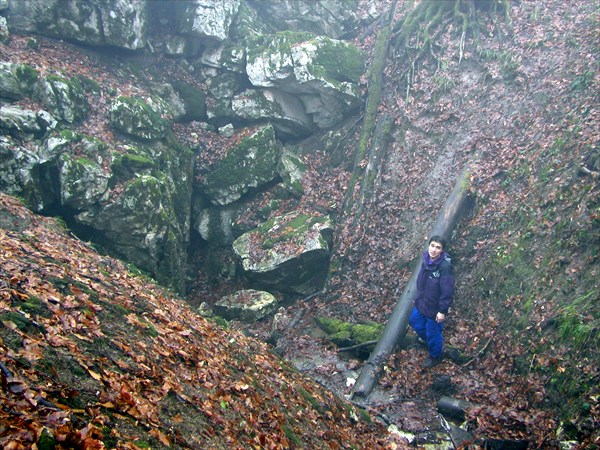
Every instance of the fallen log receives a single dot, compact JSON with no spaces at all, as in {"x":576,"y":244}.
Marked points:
{"x":456,"y":207}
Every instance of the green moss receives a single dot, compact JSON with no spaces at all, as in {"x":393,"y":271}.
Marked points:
{"x":579,"y":321}
{"x":288,"y":227}
{"x":46,"y":441}
{"x":89,"y":85}
{"x":341,"y":62}
{"x":293,"y":437}
{"x":27,"y":76}
{"x":33,"y":305}
{"x":22,"y":322}
{"x":126,"y":165}
{"x":254,"y":159}
{"x":345,"y":333}
{"x":282,"y":41}
{"x":310,"y":399}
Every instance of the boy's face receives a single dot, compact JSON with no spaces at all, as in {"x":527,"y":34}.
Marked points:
{"x":435,"y":249}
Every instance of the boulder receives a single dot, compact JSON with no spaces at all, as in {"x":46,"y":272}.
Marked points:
{"x":84,"y":182}
{"x":118,"y":23}
{"x":140,"y":225}
{"x":68,"y":173}
{"x":223,"y":85}
{"x":251,"y":163}
{"x":17,"y":81}
{"x":291,"y":169}
{"x":215,"y":224}
{"x":175,"y":103}
{"x":63,"y":98}
{"x":248,"y":305}
{"x":16,"y":164}
{"x":288,"y":253}
{"x":25,"y":124}
{"x":139,"y":119}
{"x":326,"y":17}
{"x":225,"y":56}
{"x":209,"y":19}
{"x":284,"y":111}
{"x":194,"y":101}
{"x":324,"y":73}
{"x":4,"y":33}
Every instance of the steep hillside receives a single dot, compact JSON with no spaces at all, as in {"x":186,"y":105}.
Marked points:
{"x":94,"y":356}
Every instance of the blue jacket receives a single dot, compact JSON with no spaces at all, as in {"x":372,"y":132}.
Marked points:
{"x":435,"y":285}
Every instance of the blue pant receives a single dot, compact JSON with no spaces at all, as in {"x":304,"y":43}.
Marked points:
{"x":428,"y":330}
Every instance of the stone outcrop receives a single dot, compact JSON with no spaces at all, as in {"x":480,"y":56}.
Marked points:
{"x":273,"y":74}
{"x":249,"y":164}
{"x":138,"y":119}
{"x":118,"y":23}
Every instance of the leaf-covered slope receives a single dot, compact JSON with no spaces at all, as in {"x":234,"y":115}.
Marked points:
{"x":93,"y":357}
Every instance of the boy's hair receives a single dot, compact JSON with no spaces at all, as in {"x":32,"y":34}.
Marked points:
{"x":441,"y":240}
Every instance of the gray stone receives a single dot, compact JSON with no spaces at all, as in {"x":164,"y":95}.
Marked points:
{"x":209,"y":19}
{"x":247,"y":305}
{"x":251,"y":163}
{"x":63,"y":98}
{"x":322,"y":72}
{"x":288,"y":253}
{"x":292,"y":169}
{"x":284,"y":111}
{"x":16,"y":164}
{"x":215,"y":224}
{"x":228,"y":57}
{"x":119,"y":23}
{"x":25,"y":124}
{"x":17,"y":81}
{"x":4,"y":33}
{"x":137,"y":118}
{"x":332,"y":18}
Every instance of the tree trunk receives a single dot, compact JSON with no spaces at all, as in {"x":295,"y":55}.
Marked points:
{"x":452,"y":408}
{"x":456,"y":206}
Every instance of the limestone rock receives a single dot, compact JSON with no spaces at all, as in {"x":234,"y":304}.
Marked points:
{"x":17,"y":81}
{"x":225,"y":56}
{"x":326,"y":17}
{"x":251,"y":163}
{"x":288,"y":253}
{"x":63,"y":98}
{"x":137,"y":118}
{"x":118,"y":23}
{"x":16,"y":164}
{"x":247,"y":305}
{"x":324,"y":73}
{"x":207,"y":18}
{"x":291,"y":169}
{"x":215,"y":224}
{"x":25,"y":124}
{"x":284,"y":111}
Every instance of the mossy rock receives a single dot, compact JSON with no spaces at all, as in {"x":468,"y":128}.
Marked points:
{"x":63,"y":97}
{"x":137,"y":118}
{"x":127,"y":165}
{"x":17,"y":81}
{"x":251,"y":163}
{"x":346,"y":334}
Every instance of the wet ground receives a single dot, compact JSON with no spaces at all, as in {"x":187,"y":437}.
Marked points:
{"x":406,"y":395}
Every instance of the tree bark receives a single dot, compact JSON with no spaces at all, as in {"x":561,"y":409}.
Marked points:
{"x":456,"y":206}
{"x":453,"y":408}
